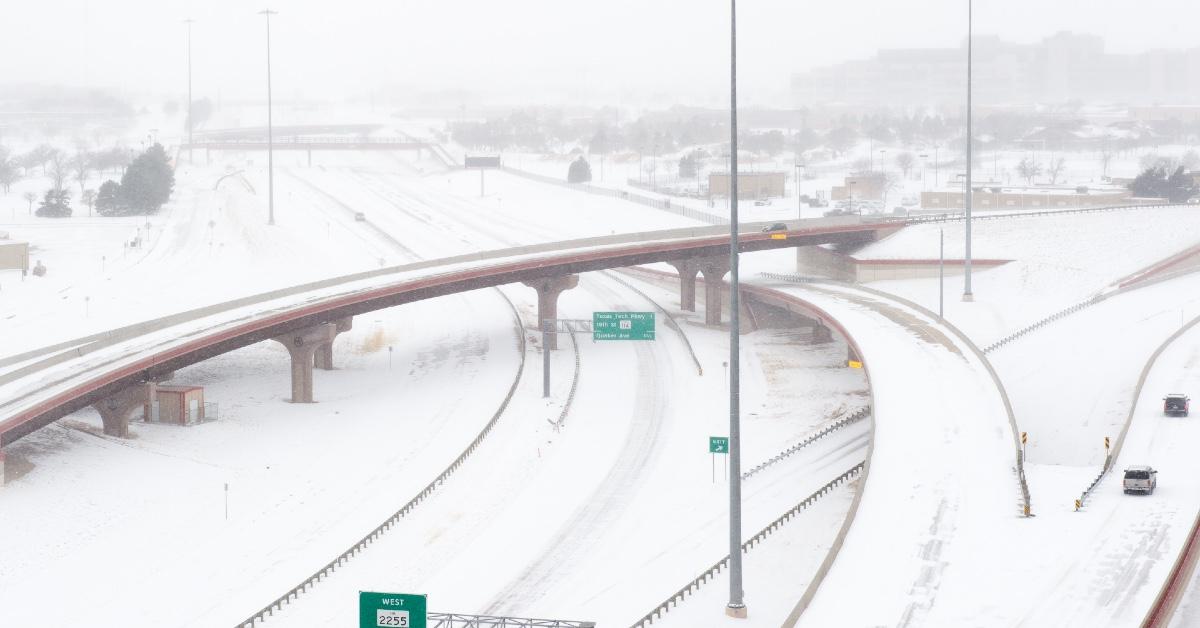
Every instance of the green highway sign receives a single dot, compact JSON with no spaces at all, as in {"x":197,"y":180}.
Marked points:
{"x":396,"y":610}
{"x":622,"y":325}
{"x":718,"y":444}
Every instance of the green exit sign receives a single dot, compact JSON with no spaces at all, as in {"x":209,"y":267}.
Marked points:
{"x":718,"y":444}
{"x":622,"y":325}
{"x":394,"y":610}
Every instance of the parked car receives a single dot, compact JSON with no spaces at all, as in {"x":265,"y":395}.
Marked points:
{"x":1175,"y":404}
{"x":779,"y":226}
{"x":762,"y":202}
{"x":359,"y":216}
{"x":1140,"y":479}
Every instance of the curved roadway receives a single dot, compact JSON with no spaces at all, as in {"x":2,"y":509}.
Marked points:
{"x":941,"y":493}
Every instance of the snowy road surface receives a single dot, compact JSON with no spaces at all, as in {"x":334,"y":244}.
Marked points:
{"x":941,"y":476}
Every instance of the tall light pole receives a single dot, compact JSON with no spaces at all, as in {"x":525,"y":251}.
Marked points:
{"x":967,"y":294}
{"x":270,"y":137}
{"x":736,"y":606}
{"x":799,"y":205}
{"x":189,"y":108}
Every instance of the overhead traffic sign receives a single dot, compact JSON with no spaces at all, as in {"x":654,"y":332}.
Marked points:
{"x":622,"y":325}
{"x":391,"y":610}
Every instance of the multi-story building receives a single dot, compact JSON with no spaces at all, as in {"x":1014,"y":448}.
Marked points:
{"x":1063,"y":67}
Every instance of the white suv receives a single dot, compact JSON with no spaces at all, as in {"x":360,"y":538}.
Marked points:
{"x":1140,"y":479}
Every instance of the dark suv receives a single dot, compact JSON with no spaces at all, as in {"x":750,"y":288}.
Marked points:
{"x":1175,"y":404}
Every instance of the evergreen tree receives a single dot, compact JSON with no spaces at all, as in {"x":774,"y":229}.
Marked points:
{"x":147,"y":182}
{"x":1156,"y":183}
{"x":580,"y":171}
{"x":108,"y":200}
{"x":55,"y":204}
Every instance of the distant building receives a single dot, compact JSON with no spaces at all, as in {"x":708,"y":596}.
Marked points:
{"x":750,"y":184}
{"x":986,"y":198}
{"x":1060,"y":68}
{"x":865,"y":186}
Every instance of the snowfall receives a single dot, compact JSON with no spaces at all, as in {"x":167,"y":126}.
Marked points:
{"x":601,"y":501}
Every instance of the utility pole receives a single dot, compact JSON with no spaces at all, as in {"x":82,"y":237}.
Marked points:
{"x":190,"y":122}
{"x":736,"y":606}
{"x":270,"y":136}
{"x":967,"y":294}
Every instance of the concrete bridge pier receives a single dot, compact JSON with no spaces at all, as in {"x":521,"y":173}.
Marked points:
{"x":714,"y":270}
{"x":323,"y":358}
{"x":302,"y":345}
{"x":851,"y":354}
{"x":687,"y":269}
{"x":548,"y":290}
{"x":115,"y":410}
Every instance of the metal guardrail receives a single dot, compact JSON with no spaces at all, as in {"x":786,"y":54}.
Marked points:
{"x":711,"y":572}
{"x":836,"y":425}
{"x":1043,"y":322}
{"x":562,"y":416}
{"x":344,"y":557}
{"x":458,"y":620}
{"x":305,"y":140}
{"x":661,"y":204}
{"x":977,"y":215}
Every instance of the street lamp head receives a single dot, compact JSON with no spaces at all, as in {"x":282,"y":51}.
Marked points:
{"x":268,"y":12}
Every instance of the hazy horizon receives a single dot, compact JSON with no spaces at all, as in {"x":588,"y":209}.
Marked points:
{"x":554,"y":53}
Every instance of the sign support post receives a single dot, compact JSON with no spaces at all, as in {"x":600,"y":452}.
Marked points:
{"x":547,"y":329}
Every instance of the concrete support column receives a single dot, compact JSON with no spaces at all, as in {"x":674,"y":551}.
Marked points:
{"x":851,"y":354}
{"x":714,"y":269}
{"x":115,"y":410}
{"x":323,"y":358}
{"x":548,"y":290}
{"x":310,"y":158}
{"x":687,"y":270}
{"x":302,"y":345}
{"x":151,"y":397}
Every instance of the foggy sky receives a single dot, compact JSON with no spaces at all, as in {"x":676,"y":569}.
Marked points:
{"x":522,"y":51}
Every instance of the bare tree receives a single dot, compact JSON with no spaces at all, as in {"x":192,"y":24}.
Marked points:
{"x":1106,"y":157}
{"x":81,"y":166}
{"x":1190,"y":160}
{"x":1056,"y":168}
{"x":89,"y":198}
{"x":59,"y":169}
{"x":890,"y":183}
{"x":8,"y":170}
{"x":29,"y":197}
{"x":1028,"y":169}
{"x":906,"y":161}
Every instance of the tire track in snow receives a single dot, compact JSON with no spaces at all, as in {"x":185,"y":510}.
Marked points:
{"x":613,"y":494}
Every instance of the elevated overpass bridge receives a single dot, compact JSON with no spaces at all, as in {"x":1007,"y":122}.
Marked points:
{"x":111,"y":371}
{"x":307,"y":143}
